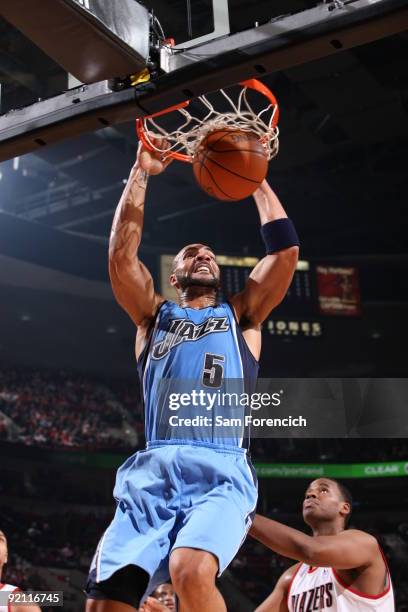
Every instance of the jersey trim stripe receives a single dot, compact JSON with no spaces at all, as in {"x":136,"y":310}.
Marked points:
{"x":365,"y":595}
{"x":234,"y":333}
{"x":98,"y":560}
{"x":148,"y":358}
{"x":249,"y":515}
{"x":291,"y":583}
{"x":359,"y":593}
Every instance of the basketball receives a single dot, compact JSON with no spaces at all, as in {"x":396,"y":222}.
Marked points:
{"x":230,"y":164}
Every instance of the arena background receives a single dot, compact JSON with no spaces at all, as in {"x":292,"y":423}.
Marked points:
{"x":69,"y":399}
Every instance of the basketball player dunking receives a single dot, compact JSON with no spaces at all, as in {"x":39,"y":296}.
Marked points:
{"x":339,"y":569}
{"x":9,"y":588}
{"x":184,"y":504}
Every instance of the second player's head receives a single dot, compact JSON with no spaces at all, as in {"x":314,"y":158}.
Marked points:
{"x":327,"y":502}
{"x":195,"y":266}
{"x":3,"y":550}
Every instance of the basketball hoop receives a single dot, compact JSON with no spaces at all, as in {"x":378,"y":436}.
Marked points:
{"x":183,"y":141}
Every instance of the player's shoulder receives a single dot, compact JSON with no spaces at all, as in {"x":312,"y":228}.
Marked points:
{"x":288,"y":575}
{"x":361,"y":538}
{"x":358,"y":533}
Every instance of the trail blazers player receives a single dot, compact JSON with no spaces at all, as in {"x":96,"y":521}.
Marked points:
{"x":340,"y":569}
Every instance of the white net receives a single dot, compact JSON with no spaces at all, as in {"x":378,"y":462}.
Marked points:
{"x":240,"y":116}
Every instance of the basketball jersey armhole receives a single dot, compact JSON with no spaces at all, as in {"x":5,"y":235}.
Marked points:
{"x":360,"y":593}
{"x":240,"y":335}
{"x":149,"y":337}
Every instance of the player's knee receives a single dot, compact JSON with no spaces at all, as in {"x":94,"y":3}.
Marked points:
{"x":192,"y":573}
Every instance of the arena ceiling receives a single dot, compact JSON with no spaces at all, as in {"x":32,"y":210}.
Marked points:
{"x":341,"y":171}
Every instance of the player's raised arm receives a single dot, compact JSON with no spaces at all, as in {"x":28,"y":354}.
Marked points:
{"x":270,"y":279}
{"x":131,"y":281}
{"x":346,"y":550}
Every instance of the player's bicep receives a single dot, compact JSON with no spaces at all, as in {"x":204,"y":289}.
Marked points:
{"x":266,"y":286}
{"x":347,"y":550}
{"x":133,"y":287}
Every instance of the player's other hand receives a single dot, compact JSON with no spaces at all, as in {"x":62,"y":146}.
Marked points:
{"x":151,"y":161}
{"x":152,"y":605}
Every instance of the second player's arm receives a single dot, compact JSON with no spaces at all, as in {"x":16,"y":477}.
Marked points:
{"x":131,"y":281}
{"x":347,"y":550}
{"x":277,"y":601}
{"x":270,"y":279}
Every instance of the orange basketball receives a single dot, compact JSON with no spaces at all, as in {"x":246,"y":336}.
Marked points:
{"x":230,"y":164}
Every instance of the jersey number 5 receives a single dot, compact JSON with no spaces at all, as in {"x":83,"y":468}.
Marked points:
{"x":213,"y":371}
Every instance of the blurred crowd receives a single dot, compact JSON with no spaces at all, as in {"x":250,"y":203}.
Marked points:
{"x":57,"y":409}
{"x":56,"y":540}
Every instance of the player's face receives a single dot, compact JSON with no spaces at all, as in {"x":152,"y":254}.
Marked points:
{"x":323,"y":502}
{"x":195,"y":265}
{"x":3,"y":549}
{"x":165,"y":594}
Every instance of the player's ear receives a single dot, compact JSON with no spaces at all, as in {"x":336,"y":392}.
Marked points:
{"x":345,"y":509}
{"x":173,"y":281}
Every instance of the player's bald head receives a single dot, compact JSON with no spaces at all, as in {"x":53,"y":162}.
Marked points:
{"x":193,"y":248}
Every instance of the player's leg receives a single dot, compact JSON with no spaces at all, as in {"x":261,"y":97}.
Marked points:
{"x":121,"y":592}
{"x":207,"y":544}
{"x":134,"y":549}
{"x":193,"y":575}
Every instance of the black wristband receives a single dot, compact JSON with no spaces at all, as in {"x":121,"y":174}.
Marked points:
{"x":278,"y":235}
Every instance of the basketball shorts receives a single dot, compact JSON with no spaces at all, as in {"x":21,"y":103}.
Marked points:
{"x":173,"y":495}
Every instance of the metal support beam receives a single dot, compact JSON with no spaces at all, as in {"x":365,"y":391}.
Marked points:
{"x":353,"y":23}
{"x":221,"y":25}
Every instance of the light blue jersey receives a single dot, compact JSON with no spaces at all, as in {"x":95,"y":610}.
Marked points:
{"x":172,"y":494}
{"x":195,"y":372}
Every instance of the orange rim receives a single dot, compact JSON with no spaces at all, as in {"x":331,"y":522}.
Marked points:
{"x":249,"y":83}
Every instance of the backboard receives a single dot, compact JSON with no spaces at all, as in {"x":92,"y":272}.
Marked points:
{"x":54,"y":108}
